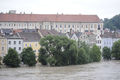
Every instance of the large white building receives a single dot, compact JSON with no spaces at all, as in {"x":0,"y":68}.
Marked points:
{"x":60,"y":22}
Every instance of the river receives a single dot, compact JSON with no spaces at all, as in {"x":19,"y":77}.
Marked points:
{"x":104,"y":70}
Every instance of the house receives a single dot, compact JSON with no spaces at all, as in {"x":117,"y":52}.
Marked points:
{"x":13,"y":40}
{"x":31,"y":39}
{"x":108,"y":39}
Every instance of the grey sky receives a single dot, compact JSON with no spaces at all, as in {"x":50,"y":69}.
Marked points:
{"x":103,"y":8}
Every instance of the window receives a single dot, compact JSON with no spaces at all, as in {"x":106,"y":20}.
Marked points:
{"x":65,"y":26}
{"x":73,"y":26}
{"x":100,"y":41}
{"x":98,"y":27}
{"x":19,"y":48}
{"x":26,"y":45}
{"x":19,"y":42}
{"x":60,"y":26}
{"x":14,"y":48}
{"x":14,"y":42}
{"x":9,"y":42}
{"x":91,"y":30}
{"x":2,"y":48}
{"x":30,"y":45}
{"x":69,"y":26}
{"x":86,"y":30}
{"x":91,"y":26}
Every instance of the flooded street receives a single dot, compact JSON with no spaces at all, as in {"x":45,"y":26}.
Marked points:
{"x":109,"y":70}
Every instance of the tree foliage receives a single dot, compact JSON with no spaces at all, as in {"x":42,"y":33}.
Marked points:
{"x":106,"y":53}
{"x":12,"y":58}
{"x":82,"y":56}
{"x":95,"y":54}
{"x":113,"y":23}
{"x":58,"y":51}
{"x":28,"y":56}
{"x":116,"y":50}
{"x":61,"y":51}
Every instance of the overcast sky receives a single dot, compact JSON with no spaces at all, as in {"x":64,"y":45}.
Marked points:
{"x":103,"y":8}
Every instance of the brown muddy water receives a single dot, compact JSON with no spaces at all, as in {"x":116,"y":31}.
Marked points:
{"x":104,"y":70}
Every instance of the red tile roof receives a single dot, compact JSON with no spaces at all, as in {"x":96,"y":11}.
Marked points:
{"x":49,"y":17}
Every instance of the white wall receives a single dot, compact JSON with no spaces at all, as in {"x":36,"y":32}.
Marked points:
{"x":17,"y":45}
{"x":81,"y":27}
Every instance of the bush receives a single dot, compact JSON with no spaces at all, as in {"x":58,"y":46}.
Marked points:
{"x":116,"y":50}
{"x":11,"y":59}
{"x":106,"y":53}
{"x":95,"y":54}
{"x":28,"y":57}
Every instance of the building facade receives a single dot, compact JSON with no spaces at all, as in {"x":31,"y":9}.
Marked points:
{"x":109,"y":38}
{"x":15,"y":42}
{"x":3,"y":46}
{"x":31,"y":39}
{"x":59,"y":22}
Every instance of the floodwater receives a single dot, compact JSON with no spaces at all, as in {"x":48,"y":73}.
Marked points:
{"x":104,"y":70}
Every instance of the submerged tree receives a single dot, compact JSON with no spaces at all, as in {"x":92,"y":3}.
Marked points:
{"x":57,"y":51}
{"x":11,"y":59}
{"x":28,"y":56}
{"x":116,"y":50}
{"x":106,"y":53}
{"x":82,"y":56}
{"x":95,"y":54}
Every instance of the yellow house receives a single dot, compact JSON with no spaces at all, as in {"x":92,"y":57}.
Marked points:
{"x":3,"y":46}
{"x":35,"y":46}
{"x":31,"y":39}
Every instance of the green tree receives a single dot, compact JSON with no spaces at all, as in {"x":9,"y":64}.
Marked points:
{"x":95,"y":54}
{"x":28,"y":56}
{"x":116,"y":50}
{"x":113,"y":23}
{"x":106,"y":53}
{"x":86,"y":48}
{"x":11,"y":59}
{"x":42,"y":56}
{"x":58,"y":51}
{"x":82,"y":56}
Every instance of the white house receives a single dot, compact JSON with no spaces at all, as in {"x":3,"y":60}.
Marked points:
{"x":14,"y":41}
{"x":109,"y":38}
